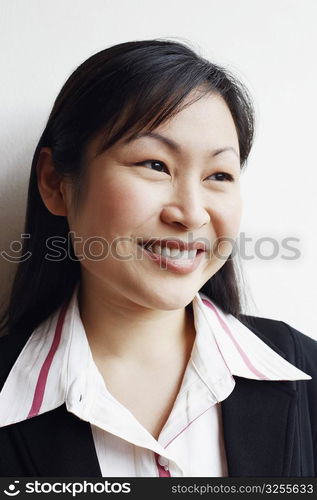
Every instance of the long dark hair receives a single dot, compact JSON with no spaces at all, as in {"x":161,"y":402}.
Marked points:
{"x":117,"y":91}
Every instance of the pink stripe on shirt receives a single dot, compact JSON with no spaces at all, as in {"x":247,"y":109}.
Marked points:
{"x":241,"y":352}
{"x":41,"y":381}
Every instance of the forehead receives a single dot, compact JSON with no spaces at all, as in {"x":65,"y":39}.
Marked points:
{"x":203,"y":120}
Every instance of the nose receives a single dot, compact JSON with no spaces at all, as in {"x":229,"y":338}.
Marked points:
{"x":186,"y":209}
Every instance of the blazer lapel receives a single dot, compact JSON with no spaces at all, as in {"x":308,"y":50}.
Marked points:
{"x":57,"y":443}
{"x":259,"y":426}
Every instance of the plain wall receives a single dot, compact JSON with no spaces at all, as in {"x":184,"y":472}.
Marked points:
{"x":270,"y":45}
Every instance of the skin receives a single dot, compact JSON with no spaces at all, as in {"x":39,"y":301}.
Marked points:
{"x":134,"y":312}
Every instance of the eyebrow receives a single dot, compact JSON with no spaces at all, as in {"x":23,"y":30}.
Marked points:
{"x":174,"y":146}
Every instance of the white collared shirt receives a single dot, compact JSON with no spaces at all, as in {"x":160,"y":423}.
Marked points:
{"x":56,"y":367}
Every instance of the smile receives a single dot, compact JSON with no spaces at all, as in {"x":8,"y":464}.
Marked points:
{"x":172,"y":259}
{"x":173,"y":253}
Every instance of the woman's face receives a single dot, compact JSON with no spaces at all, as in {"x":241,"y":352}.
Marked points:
{"x":184,"y":186}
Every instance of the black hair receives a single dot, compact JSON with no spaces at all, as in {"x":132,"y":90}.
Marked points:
{"x":118,"y":91}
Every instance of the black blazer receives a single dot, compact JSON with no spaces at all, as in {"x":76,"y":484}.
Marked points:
{"x":270,"y":427}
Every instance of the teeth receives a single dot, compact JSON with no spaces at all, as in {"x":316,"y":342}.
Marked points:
{"x":157,"y":249}
{"x":173,"y":253}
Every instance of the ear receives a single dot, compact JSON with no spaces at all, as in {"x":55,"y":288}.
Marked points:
{"x":54,"y":190}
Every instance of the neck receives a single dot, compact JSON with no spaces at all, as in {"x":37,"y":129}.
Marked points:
{"x":118,"y":328}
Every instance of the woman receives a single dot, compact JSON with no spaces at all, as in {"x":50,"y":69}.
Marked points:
{"x":128,"y":353}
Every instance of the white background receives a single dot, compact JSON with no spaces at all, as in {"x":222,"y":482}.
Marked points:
{"x":271,"y":45}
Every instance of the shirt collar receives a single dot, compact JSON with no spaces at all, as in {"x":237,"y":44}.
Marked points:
{"x":245,"y":354}
{"x":49,"y":363}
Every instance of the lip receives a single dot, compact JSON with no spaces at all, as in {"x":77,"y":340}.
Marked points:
{"x":180,"y":266}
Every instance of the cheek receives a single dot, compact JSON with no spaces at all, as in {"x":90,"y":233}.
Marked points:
{"x":226,"y":222}
{"x":227,"y":216}
{"x":116,"y":208}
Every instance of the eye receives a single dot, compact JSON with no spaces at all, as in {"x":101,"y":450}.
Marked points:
{"x":222,"y":176}
{"x":158,"y":165}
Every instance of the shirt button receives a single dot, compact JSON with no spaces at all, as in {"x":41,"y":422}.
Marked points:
{"x":163,"y":462}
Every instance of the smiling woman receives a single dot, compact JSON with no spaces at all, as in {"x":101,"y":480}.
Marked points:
{"x":130,"y":346}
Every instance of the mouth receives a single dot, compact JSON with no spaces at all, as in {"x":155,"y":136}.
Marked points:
{"x":174,"y":249}
{"x":173,"y":253}
{"x":165,"y":250}
{"x":168,"y":256}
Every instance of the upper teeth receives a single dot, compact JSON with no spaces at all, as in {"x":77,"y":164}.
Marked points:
{"x":173,"y":252}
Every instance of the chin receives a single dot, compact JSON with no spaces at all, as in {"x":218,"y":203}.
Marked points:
{"x":169,"y":301}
